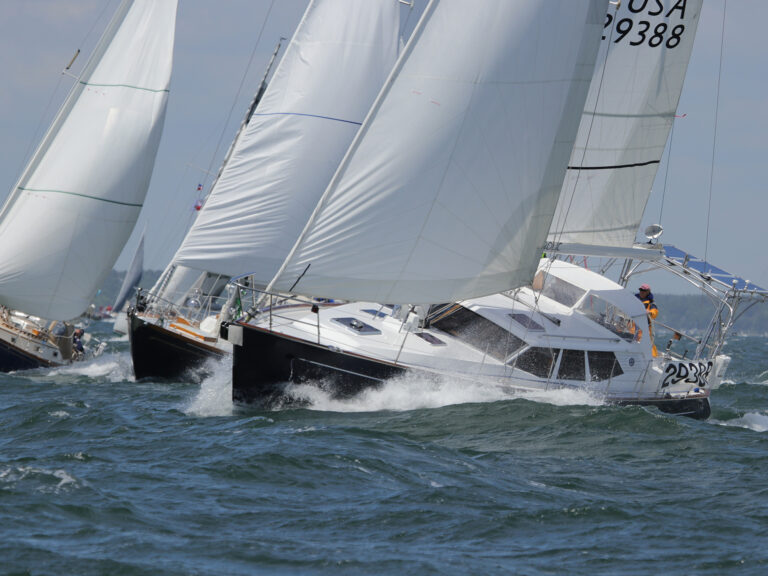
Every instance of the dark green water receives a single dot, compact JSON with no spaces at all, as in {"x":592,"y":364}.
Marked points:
{"x":103,"y":475}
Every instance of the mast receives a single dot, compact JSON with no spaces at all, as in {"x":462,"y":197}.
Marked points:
{"x":158,"y":290}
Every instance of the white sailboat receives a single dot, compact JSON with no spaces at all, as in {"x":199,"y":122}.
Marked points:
{"x":276,"y":170}
{"x":570,"y":327}
{"x":77,"y":201}
{"x":447,"y":193}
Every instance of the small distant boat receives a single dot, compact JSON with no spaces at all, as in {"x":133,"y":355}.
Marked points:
{"x":294,"y":135}
{"x":77,"y":201}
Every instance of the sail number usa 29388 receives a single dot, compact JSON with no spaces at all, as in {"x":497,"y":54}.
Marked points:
{"x":651,"y":22}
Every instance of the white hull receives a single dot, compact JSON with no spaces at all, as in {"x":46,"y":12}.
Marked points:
{"x":520,"y":341}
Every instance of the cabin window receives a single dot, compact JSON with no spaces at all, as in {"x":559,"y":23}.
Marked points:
{"x":571,"y":365}
{"x":479,"y":332}
{"x":527,"y":321}
{"x":376,"y":313}
{"x":557,"y":289}
{"x":357,"y":326}
{"x":608,"y":316}
{"x":603,"y":366}
{"x":427,"y":337}
{"x":537,"y":361}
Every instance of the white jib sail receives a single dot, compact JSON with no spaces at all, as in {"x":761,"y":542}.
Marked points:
{"x":77,"y":202}
{"x":449,"y":188}
{"x":333,"y":68}
{"x":627,"y":119}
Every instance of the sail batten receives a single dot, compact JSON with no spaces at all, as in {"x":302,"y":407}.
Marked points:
{"x":132,"y":87}
{"x":450,"y":186}
{"x":79,"y":197}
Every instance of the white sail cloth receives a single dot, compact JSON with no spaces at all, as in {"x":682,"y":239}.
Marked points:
{"x":77,"y":202}
{"x":627,"y":119}
{"x":335,"y":64}
{"x":449,"y":188}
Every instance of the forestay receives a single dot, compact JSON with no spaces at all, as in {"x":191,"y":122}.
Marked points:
{"x":627,"y":119}
{"x":132,"y":276}
{"x":335,"y":64}
{"x":449,"y":188}
{"x":77,"y":202}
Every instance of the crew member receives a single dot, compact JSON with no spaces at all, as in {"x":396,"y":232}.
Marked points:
{"x":77,"y":342}
{"x":645,"y":296}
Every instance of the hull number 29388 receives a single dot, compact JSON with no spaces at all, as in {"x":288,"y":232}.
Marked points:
{"x":691,"y":372}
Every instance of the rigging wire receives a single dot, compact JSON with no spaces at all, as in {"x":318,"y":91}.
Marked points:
{"x":239,"y":90}
{"x":714,"y":136}
{"x":666,"y":170}
{"x":563,"y":216}
{"x":176,"y":236}
{"x":560,"y":226}
{"x":404,"y":22}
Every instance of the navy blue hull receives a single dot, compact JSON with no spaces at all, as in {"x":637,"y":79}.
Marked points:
{"x":160,"y":353}
{"x":265,"y":361}
{"x":697,"y":408}
{"x":12,"y":359}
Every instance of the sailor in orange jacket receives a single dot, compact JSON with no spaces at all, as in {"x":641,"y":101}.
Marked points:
{"x":645,"y":296}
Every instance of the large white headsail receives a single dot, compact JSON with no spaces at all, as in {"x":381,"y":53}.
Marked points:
{"x":627,"y":119}
{"x":77,"y":202}
{"x":336,"y":63}
{"x":449,"y":188}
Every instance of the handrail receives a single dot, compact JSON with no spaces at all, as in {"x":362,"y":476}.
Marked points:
{"x":163,"y":307}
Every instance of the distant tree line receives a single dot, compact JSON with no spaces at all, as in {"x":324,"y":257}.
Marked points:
{"x":694,"y":313}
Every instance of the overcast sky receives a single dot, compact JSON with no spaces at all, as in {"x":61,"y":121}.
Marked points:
{"x":214,"y":43}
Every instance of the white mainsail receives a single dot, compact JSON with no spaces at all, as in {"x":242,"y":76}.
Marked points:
{"x":450,"y":187}
{"x":68,"y":218}
{"x":627,"y":119}
{"x":335,"y":64}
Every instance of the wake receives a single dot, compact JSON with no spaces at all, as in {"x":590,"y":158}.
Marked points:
{"x":414,"y":392}
{"x":755,"y":421}
{"x":214,"y":398}
{"x":110,"y":367}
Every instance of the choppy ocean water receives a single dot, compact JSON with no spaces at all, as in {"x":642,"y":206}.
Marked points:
{"x":100,"y":474}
